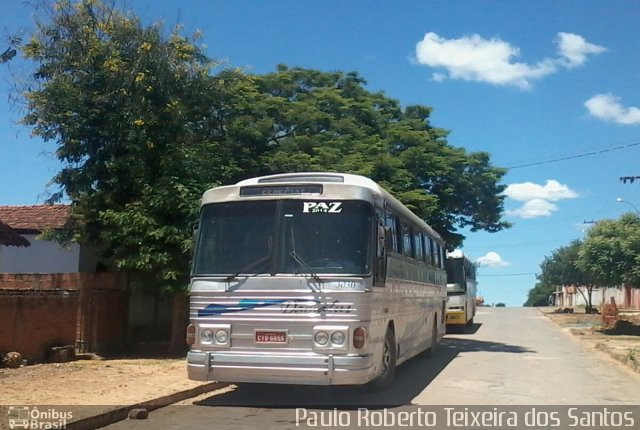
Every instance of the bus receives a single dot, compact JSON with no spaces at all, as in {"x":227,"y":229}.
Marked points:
{"x":313,"y":279}
{"x":461,"y":290}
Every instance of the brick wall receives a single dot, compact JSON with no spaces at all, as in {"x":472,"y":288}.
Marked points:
{"x":32,"y":322}
{"x":39,"y":311}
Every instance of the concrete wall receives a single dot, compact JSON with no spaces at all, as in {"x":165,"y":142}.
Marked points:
{"x":625,"y":297}
{"x":42,"y":256}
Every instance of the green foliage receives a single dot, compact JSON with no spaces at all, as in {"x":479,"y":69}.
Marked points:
{"x":124,"y":104}
{"x":611,"y":251}
{"x":13,"y":43}
{"x":561,"y":267}
{"x":330,"y":122}
{"x":539,"y":294}
{"x":143,"y":126}
{"x":609,"y":256}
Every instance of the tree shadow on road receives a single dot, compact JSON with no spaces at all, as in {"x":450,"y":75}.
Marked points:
{"x":412,"y":378}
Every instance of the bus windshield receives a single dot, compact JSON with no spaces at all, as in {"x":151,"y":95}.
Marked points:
{"x":285,"y":237}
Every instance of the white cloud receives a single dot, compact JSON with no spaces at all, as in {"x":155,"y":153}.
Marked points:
{"x":551,"y":191}
{"x":609,"y":108}
{"x":533,"y":209}
{"x":575,"y":48}
{"x":538,"y":198}
{"x":491,"y":259}
{"x":474,"y":58}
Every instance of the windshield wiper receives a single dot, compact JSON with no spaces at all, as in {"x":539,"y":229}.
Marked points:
{"x":294,"y":255}
{"x":259,"y":262}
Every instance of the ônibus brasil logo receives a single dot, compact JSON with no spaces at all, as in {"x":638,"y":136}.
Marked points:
{"x":32,"y":417}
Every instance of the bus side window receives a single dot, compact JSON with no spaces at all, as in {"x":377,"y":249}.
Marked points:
{"x":418,"y":241}
{"x":407,"y":246}
{"x":391,"y":223}
{"x":437,"y":253}
{"x":382,"y":243}
{"x":428,"y":251}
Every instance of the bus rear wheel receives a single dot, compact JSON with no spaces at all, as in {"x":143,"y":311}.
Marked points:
{"x":387,"y":364}
{"x":431,"y":351}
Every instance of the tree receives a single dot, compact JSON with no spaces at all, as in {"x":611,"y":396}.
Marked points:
{"x":130,"y":109}
{"x":323,"y":121}
{"x":611,"y":251}
{"x":124,"y":103}
{"x":539,"y":294}
{"x":562,"y":268}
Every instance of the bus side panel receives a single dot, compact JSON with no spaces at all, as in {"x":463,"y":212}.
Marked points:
{"x":413,"y":305}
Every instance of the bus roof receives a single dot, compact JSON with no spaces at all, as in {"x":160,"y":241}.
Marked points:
{"x":343,"y":178}
{"x":340,"y":179}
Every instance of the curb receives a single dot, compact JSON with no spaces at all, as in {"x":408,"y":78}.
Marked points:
{"x":631,"y":364}
{"x":121,"y":413}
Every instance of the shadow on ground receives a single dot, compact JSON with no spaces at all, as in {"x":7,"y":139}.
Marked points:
{"x":412,"y":378}
{"x":464,"y":329}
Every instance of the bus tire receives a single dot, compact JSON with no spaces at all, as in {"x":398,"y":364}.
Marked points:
{"x":431,"y":351}
{"x":387,"y":362}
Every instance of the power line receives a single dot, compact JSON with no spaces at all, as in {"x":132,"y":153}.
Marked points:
{"x":630,"y":179}
{"x":572,"y":157}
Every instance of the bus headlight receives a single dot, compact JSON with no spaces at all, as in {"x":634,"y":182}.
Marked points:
{"x":330,"y":337}
{"x":215,"y":334}
{"x":321,"y":338}
{"x":206,"y":336}
{"x":337,"y":338}
{"x":222,"y":336}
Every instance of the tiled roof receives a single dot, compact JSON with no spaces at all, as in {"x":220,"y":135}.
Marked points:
{"x":10,"y":237}
{"x":35,"y":218}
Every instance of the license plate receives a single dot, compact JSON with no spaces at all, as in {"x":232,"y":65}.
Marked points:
{"x":271,"y":337}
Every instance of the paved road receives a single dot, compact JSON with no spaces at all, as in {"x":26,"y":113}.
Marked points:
{"x":512,"y":356}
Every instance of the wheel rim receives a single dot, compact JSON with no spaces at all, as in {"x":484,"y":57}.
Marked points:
{"x":386,"y":357}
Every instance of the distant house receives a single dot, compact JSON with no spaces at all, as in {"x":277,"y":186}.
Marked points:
{"x":53,"y":295}
{"x":625,"y":296}
{"x":43,"y":256}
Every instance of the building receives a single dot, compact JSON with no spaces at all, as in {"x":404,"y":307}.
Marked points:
{"x":10,"y":237}
{"x":52,"y":295}
{"x":625,"y":297}
{"x":43,"y":256}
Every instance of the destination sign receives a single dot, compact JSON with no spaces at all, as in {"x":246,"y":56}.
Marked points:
{"x":277,"y":190}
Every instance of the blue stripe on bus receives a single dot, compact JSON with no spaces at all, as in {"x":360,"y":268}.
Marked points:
{"x":243,"y":305}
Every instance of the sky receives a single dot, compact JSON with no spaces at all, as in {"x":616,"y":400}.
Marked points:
{"x":549,"y":88}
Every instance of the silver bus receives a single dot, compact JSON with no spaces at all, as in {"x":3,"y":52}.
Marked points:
{"x":312,"y":278}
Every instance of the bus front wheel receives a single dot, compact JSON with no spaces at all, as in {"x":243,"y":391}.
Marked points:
{"x":387,"y":362}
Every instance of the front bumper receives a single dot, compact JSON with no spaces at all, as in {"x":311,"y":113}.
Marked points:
{"x":456,"y":318}
{"x":305,"y":369}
